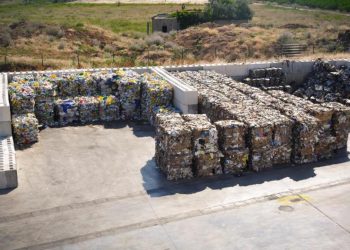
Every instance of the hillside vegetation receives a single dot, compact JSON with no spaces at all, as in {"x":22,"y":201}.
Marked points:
{"x":342,"y":5}
{"x":99,"y":35}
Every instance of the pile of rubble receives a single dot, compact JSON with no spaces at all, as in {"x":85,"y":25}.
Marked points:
{"x":60,"y":100}
{"x":267,"y":79}
{"x":326,"y":83}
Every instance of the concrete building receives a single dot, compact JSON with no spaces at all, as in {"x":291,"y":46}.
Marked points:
{"x":164,"y":23}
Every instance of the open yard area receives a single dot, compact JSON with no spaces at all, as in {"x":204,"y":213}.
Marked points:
{"x":97,"y":187}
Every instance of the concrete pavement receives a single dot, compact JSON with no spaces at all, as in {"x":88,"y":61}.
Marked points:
{"x":97,"y":187}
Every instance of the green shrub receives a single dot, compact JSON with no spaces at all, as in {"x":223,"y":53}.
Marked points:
{"x":187,"y":18}
{"x":215,"y":10}
{"x":228,"y":10}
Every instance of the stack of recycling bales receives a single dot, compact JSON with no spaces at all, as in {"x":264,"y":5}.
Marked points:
{"x":63,"y":99}
{"x":24,"y":122}
{"x":173,"y":146}
{"x":325,"y":146}
{"x":264,"y":124}
{"x":45,"y":95}
{"x":206,"y":155}
{"x":129,"y":92}
{"x":315,"y":126}
{"x":156,"y":92}
{"x":326,"y":83}
{"x":305,"y":128}
{"x":267,"y":79}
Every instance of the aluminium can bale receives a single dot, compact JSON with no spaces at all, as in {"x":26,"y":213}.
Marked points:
{"x":88,"y":108}
{"x":173,"y":146}
{"x":109,"y":108}
{"x":25,"y":129}
{"x":67,"y":110}
{"x":231,"y":134}
{"x":205,"y":149}
{"x":129,"y":91}
{"x":161,"y":111}
{"x":155,"y":92}
{"x":235,"y":161}
{"x":341,"y":123}
{"x":22,"y":98}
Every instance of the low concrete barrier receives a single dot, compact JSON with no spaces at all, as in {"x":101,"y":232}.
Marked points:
{"x":8,"y":171}
{"x":185,"y":97}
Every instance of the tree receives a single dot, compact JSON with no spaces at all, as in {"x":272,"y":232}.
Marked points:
{"x":228,"y":10}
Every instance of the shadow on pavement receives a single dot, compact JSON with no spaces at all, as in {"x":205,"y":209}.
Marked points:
{"x":156,"y":185}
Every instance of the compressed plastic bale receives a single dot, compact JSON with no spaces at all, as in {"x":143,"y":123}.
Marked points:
{"x":108,"y":82}
{"x":45,"y":111}
{"x":22,"y":98}
{"x":205,"y":149}
{"x":129,"y":91}
{"x":67,"y":110}
{"x":88,"y":108}
{"x":68,"y":85}
{"x":173,"y":146}
{"x":155,"y":92}
{"x":88,"y":85}
{"x":23,"y":78}
{"x":25,"y":129}
{"x":109,"y":108}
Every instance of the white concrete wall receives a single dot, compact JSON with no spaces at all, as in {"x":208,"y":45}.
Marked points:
{"x":185,"y":97}
{"x":5,"y":113}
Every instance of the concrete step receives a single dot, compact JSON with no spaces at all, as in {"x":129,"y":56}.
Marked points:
{"x":8,"y":171}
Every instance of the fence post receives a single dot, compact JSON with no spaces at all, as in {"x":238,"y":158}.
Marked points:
{"x":113,"y":57}
{"x":42,"y":60}
{"x":182,"y":56}
{"x":78,"y":59}
{"x":147,"y":56}
{"x":148,"y":24}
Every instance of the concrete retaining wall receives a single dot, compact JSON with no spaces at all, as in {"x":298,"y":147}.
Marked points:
{"x":5,"y":113}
